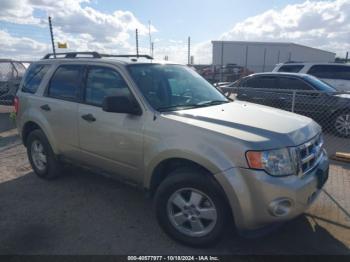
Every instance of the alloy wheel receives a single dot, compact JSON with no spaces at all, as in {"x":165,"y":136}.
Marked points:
{"x":38,"y":155}
{"x":342,"y":124}
{"x":192,"y":212}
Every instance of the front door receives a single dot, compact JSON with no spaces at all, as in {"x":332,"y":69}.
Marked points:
{"x":110,"y":141}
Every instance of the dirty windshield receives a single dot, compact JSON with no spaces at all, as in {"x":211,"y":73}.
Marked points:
{"x":174,"y":87}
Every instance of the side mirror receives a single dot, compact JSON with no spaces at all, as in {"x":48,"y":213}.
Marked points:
{"x":121,"y":104}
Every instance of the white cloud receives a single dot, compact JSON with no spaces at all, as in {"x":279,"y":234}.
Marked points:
{"x":17,"y":12}
{"x":322,"y":24}
{"x":83,"y":27}
{"x":21,"y":47}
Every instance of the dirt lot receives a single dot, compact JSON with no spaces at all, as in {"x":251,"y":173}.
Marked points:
{"x":85,"y":213}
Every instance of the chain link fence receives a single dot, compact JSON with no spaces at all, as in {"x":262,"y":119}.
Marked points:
{"x":11,"y":73}
{"x":330,"y":110}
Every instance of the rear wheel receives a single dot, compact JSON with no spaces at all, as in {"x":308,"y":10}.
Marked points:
{"x":341,"y":124}
{"x":41,"y":156}
{"x":191,"y":208}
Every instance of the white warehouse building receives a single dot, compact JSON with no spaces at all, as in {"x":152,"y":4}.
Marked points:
{"x":263,"y":56}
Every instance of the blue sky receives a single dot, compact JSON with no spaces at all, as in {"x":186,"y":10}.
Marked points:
{"x":201,"y":19}
{"x":109,"y":26}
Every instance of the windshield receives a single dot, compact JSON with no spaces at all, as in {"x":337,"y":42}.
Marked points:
{"x":320,"y":85}
{"x":174,"y":87}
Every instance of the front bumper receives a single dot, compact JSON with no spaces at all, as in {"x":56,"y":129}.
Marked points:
{"x":251,"y":193}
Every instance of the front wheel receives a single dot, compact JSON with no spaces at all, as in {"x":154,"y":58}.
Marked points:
{"x":191,"y":208}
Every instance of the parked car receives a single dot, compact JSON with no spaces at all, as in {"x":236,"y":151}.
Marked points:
{"x":207,"y":161}
{"x":335,"y":74}
{"x":314,"y":98}
{"x":11,"y":73}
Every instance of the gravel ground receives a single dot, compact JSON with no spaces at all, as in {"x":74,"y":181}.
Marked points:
{"x":85,"y":213}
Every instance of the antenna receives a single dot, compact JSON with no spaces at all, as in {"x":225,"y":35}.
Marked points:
{"x":52,"y":41}
{"x":150,"y":39}
{"x":137,"y":43}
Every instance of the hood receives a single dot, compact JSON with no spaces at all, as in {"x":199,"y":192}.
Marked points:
{"x":265,"y":127}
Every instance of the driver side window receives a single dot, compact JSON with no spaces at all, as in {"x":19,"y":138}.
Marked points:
{"x":102,"y":82}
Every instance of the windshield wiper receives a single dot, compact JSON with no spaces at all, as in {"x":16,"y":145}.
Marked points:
{"x":212,"y":103}
{"x":178,"y":107}
{"x":202,"y":104}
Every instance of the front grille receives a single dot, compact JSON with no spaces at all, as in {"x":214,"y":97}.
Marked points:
{"x":309,"y":154}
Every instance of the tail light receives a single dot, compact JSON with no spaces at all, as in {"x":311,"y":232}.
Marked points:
{"x":16,"y":104}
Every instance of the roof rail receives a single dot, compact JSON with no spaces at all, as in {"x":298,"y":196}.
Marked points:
{"x":137,"y":56}
{"x":92,"y":54}
{"x":293,"y":62}
{"x":72,"y":55}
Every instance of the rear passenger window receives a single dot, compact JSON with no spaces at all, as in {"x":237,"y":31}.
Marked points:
{"x":251,"y":82}
{"x":268,"y":82}
{"x":330,"y":71}
{"x":34,"y":77}
{"x":66,"y":82}
{"x":102,"y":82}
{"x":293,"y":84}
{"x":290,"y":68}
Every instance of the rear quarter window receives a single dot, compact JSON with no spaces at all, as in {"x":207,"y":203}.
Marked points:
{"x":290,"y":68}
{"x":34,"y":77}
{"x":331,"y":71}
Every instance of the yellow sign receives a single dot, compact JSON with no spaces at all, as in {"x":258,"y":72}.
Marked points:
{"x":62,"y":45}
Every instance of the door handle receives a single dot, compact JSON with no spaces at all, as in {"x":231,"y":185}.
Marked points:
{"x":88,"y":117}
{"x":46,"y":107}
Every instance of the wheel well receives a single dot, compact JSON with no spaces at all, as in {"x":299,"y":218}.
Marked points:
{"x":168,"y":165}
{"x":27,"y":129}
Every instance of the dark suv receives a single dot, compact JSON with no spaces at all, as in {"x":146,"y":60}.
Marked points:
{"x":302,"y":94}
{"x":11,"y":73}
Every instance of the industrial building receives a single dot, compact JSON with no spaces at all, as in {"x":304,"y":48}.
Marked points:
{"x":263,"y":56}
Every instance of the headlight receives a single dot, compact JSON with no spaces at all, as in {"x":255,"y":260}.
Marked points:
{"x":280,"y":162}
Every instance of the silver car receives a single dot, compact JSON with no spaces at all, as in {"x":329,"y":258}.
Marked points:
{"x":207,"y":161}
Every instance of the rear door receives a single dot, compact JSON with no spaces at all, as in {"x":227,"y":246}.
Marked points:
{"x":263,"y":89}
{"x":59,"y":106}
{"x":110,"y":141}
{"x":307,"y":100}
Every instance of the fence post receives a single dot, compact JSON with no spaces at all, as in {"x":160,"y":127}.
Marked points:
{"x":293,"y":100}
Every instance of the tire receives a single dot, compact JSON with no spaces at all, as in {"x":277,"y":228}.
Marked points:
{"x":341,"y":124}
{"x":37,"y":142}
{"x":186,"y":182}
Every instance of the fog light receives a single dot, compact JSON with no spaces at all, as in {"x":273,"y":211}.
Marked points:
{"x":280,"y":207}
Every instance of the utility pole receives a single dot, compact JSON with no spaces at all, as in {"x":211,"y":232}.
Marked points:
{"x":222,"y":61}
{"x":189,"y":51}
{"x":264,"y":60}
{"x":52,"y":41}
{"x":137,"y":43}
{"x":347,"y":57}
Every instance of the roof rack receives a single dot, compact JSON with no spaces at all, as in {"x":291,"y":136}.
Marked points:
{"x":92,"y":54}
